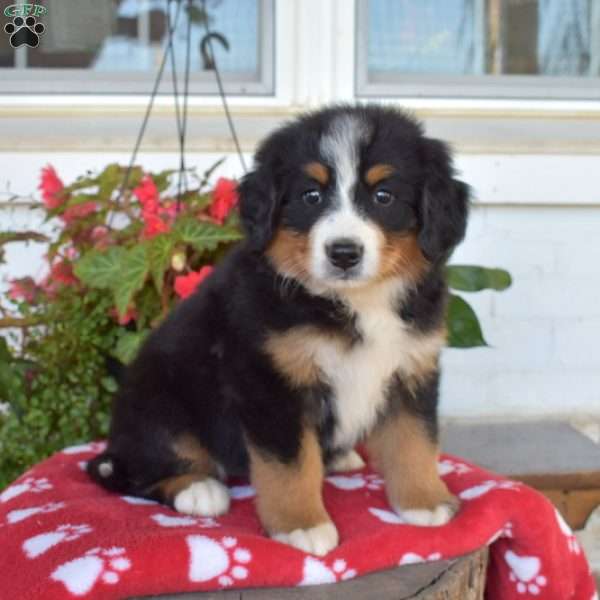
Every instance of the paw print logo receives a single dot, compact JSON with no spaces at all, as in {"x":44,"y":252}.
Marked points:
{"x":356,"y":482}
{"x":525,"y":573}
{"x":224,"y":560}
{"x":14,"y":516}
{"x":572,"y":543}
{"x":485,"y":487}
{"x":24,"y":32}
{"x":30,"y":484}
{"x":447,"y":466}
{"x":316,"y":571}
{"x":81,"y":574}
{"x":41,"y":543}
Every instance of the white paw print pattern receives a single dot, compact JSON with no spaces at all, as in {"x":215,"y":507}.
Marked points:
{"x":505,"y":532}
{"x":20,"y":514}
{"x":224,"y":559}
{"x":241,"y":492}
{"x":30,"y":484}
{"x":41,"y":543}
{"x":447,"y":466}
{"x":183,"y":521}
{"x":316,"y":571}
{"x":572,"y":543}
{"x":98,"y":564}
{"x":96,"y":447}
{"x":387,"y":516}
{"x":356,"y":482}
{"x":485,"y":487}
{"x":411,"y":558}
{"x":525,"y":573}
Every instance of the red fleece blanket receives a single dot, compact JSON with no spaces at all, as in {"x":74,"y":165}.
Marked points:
{"x":61,"y":536}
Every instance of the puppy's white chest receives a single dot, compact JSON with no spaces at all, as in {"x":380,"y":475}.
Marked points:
{"x":359,"y":375}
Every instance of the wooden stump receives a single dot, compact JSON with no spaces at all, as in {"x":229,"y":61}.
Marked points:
{"x":459,"y":579}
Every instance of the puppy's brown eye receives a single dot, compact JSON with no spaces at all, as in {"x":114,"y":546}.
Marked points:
{"x":312,"y":197}
{"x":383,"y":197}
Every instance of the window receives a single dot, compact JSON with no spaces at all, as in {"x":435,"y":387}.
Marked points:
{"x":479,"y":48}
{"x":91,"y":46}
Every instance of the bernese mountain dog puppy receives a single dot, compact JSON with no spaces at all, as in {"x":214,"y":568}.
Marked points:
{"x":320,"y":331}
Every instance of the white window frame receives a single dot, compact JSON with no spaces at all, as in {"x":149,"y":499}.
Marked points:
{"x":515,"y":87}
{"x":57,"y":81}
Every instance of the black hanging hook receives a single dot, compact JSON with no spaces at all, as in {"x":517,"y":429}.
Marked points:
{"x":208,"y":59}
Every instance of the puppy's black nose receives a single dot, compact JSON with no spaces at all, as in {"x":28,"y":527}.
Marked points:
{"x":344,"y":253}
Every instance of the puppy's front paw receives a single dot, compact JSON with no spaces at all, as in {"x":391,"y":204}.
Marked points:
{"x":317,"y":540}
{"x":440,"y":515}
{"x":206,"y":498}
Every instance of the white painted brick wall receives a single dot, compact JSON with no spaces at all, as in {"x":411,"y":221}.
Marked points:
{"x":544,"y":332}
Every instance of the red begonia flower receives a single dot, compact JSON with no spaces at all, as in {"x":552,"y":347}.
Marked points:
{"x":147,"y":194}
{"x":23,"y":289}
{"x":153,"y":225}
{"x":186,"y":284}
{"x":51,"y":185}
{"x":78,"y":211}
{"x":225,"y":197}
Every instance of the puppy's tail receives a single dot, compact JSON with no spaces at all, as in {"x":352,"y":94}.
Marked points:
{"x":110,"y":472}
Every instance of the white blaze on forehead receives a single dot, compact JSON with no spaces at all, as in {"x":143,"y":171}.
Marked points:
{"x":340,"y":146}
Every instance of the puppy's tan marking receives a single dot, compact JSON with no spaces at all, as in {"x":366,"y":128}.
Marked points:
{"x":190,"y":450}
{"x":401,"y":255}
{"x":405,"y":455}
{"x":378,"y":173}
{"x":169,"y":488}
{"x":289,"y":254}
{"x":288,"y":496}
{"x":293,"y":352}
{"x":318,"y":172}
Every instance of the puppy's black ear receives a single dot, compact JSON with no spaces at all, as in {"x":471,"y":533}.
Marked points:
{"x":258,"y":207}
{"x":444,"y":205}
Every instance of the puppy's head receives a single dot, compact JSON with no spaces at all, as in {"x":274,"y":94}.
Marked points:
{"x":351,"y":195}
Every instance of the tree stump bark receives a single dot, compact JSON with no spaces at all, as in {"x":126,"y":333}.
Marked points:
{"x":459,"y":579}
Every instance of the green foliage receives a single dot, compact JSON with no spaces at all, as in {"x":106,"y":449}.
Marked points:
{"x":61,"y":395}
{"x":464,"y":330}
{"x":107,"y":287}
{"x":474,"y":279}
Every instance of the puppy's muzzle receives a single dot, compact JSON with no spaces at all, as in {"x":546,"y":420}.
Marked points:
{"x":344,"y":253}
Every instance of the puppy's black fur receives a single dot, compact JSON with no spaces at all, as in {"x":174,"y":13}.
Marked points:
{"x":204,"y":372}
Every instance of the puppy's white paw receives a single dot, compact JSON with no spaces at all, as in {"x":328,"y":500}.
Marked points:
{"x":317,"y":540}
{"x":440,"y":515}
{"x":206,"y":498}
{"x":351,"y":461}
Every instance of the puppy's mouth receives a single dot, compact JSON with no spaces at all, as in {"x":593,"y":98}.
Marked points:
{"x":338,"y":276}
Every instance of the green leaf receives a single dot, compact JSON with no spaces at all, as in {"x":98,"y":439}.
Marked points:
{"x":464,"y":330}
{"x":161,"y":180}
{"x":474,"y":279}
{"x":128,"y":345}
{"x":159,"y":252}
{"x":135,"y":267}
{"x":101,"y":269}
{"x":205,"y":237}
{"x":108,"y":180}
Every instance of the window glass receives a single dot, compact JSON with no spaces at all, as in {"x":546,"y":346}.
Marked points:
{"x":105,"y":37}
{"x":484,"y":37}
